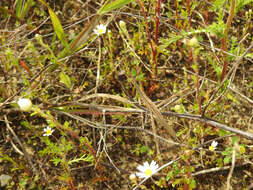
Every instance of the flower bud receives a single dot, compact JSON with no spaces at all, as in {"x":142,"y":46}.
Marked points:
{"x":122,"y":24}
{"x":132,"y":177}
{"x":25,"y":104}
{"x":177,"y":108}
{"x":193,"y":42}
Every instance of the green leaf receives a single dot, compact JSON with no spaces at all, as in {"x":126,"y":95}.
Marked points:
{"x":84,"y":158}
{"x":227,"y":159}
{"x":169,"y":176}
{"x":192,"y":184}
{"x":143,"y":149}
{"x":114,"y":5}
{"x":241,"y":3}
{"x":235,"y":139}
{"x":167,"y":41}
{"x":227,"y":151}
{"x":250,"y":55}
{"x":217,"y":4}
{"x":133,"y":72}
{"x":56,"y":161}
{"x":56,"y":24}
{"x":65,"y":79}
{"x":58,"y":27}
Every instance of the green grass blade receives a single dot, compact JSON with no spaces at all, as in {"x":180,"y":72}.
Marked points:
{"x":81,"y":38}
{"x":65,"y":79}
{"x":114,"y":5}
{"x":26,"y":8}
{"x":57,"y":25}
{"x":58,"y":28}
{"x":18,"y":8}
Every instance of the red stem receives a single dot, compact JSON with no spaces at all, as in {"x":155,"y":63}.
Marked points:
{"x":12,"y":6}
{"x":71,"y":184}
{"x":225,"y":38}
{"x":158,"y":13}
{"x":149,"y":36}
{"x":225,"y":63}
{"x":189,"y":12}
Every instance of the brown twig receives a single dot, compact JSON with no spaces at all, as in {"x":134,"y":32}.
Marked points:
{"x":232,"y":166}
{"x":101,"y":126}
{"x":211,"y":122}
{"x":205,"y":120}
{"x":21,"y":145}
{"x":211,"y":170}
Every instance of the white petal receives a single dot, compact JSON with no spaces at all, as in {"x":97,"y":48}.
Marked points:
{"x":141,"y":175}
{"x":146,"y":165}
{"x":214,"y":144}
{"x":153,"y":164}
{"x":141,"y":168}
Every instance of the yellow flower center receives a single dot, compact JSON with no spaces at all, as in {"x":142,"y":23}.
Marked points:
{"x":211,"y":148}
{"x":148,"y":172}
{"x":100,"y":31}
{"x":48,"y":132}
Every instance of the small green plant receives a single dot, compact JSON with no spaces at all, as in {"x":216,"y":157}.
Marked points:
{"x":227,"y":153}
{"x":140,"y":149}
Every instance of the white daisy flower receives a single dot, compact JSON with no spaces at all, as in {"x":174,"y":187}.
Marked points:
{"x":213,"y":146}
{"x":25,"y":104}
{"x":48,"y":131}
{"x":100,"y":29}
{"x":147,"y":170}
